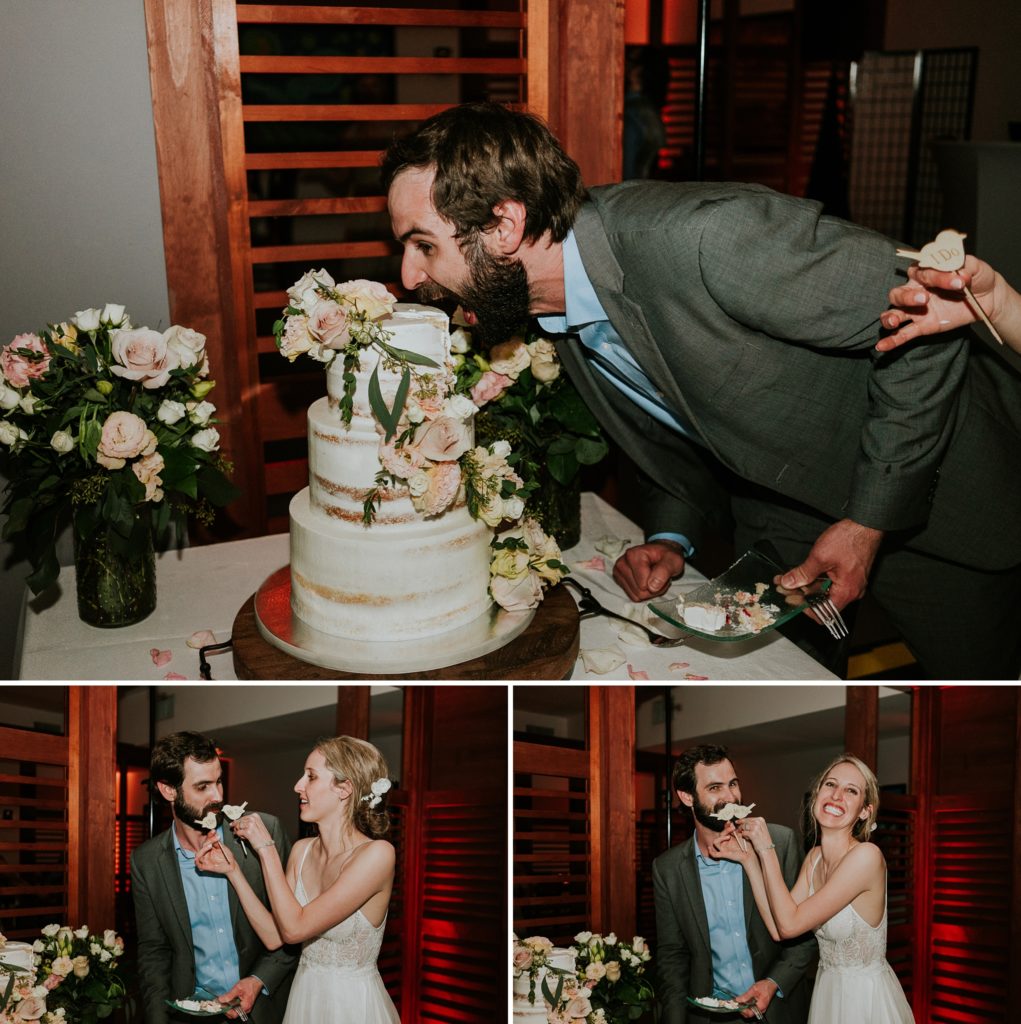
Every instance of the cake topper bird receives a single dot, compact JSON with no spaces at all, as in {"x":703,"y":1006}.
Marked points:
{"x":946,"y":252}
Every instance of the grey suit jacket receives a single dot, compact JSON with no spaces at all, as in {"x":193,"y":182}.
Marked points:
{"x":757,"y":318}
{"x":684,"y":963}
{"x":166,"y":957}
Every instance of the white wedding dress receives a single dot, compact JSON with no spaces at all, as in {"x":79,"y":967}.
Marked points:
{"x":337,"y":981}
{"x":855,"y":983}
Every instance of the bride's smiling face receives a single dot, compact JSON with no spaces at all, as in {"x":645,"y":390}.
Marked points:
{"x":841,"y":799}
{"x":318,"y":791}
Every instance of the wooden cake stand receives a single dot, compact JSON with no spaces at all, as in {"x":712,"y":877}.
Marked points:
{"x":546,"y":649}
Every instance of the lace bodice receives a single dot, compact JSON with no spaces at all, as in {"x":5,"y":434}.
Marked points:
{"x":351,"y":946}
{"x":847,"y":942}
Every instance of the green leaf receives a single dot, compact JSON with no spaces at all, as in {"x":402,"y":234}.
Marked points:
{"x":46,"y":572}
{"x":562,"y":468}
{"x":388,"y":418}
{"x":589,"y":451}
{"x":18,"y":517}
{"x":215,"y":487}
{"x":404,"y":356}
{"x":561,"y":445}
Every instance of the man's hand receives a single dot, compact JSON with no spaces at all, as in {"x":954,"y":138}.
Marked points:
{"x":646,"y":570}
{"x":845,"y":552}
{"x":247,"y":990}
{"x":762,"y":992}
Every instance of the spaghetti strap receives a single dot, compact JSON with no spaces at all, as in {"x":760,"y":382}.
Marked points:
{"x":301,"y":865}
{"x":811,"y":877}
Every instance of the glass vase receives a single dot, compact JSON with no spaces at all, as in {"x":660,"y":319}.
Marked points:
{"x":116,"y":579}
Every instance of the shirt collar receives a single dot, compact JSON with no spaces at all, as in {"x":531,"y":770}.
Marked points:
{"x":702,"y":860}
{"x":180,"y":850}
{"x":581,"y":304}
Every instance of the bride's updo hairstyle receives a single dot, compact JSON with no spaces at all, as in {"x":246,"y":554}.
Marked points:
{"x":360,"y":763}
{"x":863,"y":827}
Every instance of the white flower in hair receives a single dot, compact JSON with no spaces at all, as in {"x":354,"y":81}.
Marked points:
{"x":379,"y":787}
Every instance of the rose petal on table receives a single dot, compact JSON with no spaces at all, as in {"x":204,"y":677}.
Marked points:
{"x":601,"y":660}
{"x":597,"y":564}
{"x":174,"y":675}
{"x":633,"y":636}
{"x":160,"y":658}
{"x":611,"y":546}
{"x":676,"y":666}
{"x":636,"y":673}
{"x":201,"y":638}
{"x":691,"y":675}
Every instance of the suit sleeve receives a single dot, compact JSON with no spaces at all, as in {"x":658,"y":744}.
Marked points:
{"x":154,"y":952}
{"x":273,"y":967}
{"x":673,"y":956}
{"x":775,"y":265}
{"x":796,"y":955}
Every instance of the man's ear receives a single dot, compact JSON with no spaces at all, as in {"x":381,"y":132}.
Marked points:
{"x":167,"y":792}
{"x":686,"y":798}
{"x":509,"y":232}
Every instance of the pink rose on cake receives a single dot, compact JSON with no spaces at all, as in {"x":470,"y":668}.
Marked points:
{"x":124,"y":437}
{"x":30,"y":363}
{"x":444,"y":439}
{"x":143,"y":355}
{"x":403,"y":462}
{"x":434,"y":489}
{"x":328,"y":324}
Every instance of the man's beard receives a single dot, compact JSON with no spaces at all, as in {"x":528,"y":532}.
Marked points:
{"x":191,"y":816}
{"x":496,"y":291}
{"x":703,"y":814}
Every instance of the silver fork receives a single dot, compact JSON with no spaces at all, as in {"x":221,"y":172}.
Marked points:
{"x":589,"y":607}
{"x":828,"y":614}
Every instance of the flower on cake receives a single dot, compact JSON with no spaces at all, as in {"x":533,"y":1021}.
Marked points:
{"x":525,"y":560}
{"x":108,"y":421}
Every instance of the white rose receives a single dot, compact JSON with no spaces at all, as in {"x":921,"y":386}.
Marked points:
{"x":86,"y":319}
{"x":9,"y":398}
{"x":9,"y":433}
{"x":418,"y":483}
{"x":414,"y":412}
{"x":516,"y":595}
{"x":170,"y":411}
{"x":460,"y":341}
{"x":199,"y":413}
{"x":595,"y":971}
{"x":545,"y":366}
{"x":28,"y":404}
{"x":638,"y":944}
{"x":304,"y":293}
{"x":62,"y":442}
{"x":189,"y":345}
{"x":207,"y":440}
{"x":295,"y":340}
{"x":38,"y":946}
{"x":583,"y":937}
{"x":83,"y":932}
{"x":112,"y":313}
{"x":105,"y":955}
{"x":62,"y":966}
{"x":460,"y":407}
{"x":513,"y":508}
{"x":611,"y":939}
{"x":368,"y":297}
{"x":509,"y":358}
{"x":109,"y":937}
{"x":81,"y":966}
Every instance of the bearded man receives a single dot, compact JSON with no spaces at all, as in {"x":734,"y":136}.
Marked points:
{"x":725,"y":336}
{"x":191,"y":933}
{"x":710,"y":938}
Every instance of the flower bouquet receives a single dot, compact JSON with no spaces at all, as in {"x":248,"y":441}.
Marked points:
{"x":425,"y":428}
{"x":108,"y":423}
{"x":79,"y":972}
{"x":525,"y":398}
{"x":612,"y":972}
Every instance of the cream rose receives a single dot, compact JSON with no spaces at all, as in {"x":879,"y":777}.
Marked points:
{"x":511,"y":563}
{"x":112,"y":314}
{"x":510,"y":358}
{"x":295,"y":340}
{"x":207,"y":440}
{"x":516,"y":595}
{"x":124,"y":437}
{"x":50,"y":930}
{"x":595,"y":971}
{"x":9,"y":398}
{"x":170,"y":411}
{"x":19,"y":369}
{"x":80,"y":966}
{"x":328,"y":324}
{"x":545,"y":365}
{"x":109,"y":938}
{"x":148,"y":469}
{"x":62,"y":966}
{"x":444,"y":480}
{"x":10,"y":434}
{"x":460,"y":341}
{"x":304,"y":294}
{"x":613,"y":971}
{"x":142,"y":355}
{"x":61,"y":442}
{"x":188,"y":345}
{"x":539,"y":943}
{"x":368,"y":297}
{"x":200,"y":412}
{"x":444,"y":440}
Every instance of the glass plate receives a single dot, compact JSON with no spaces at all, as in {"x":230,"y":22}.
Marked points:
{"x":198,"y":997}
{"x":736,"y":1008}
{"x":750,"y":571}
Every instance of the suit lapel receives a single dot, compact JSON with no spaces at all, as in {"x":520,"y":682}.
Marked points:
{"x":691,"y":886}
{"x":171,"y":872}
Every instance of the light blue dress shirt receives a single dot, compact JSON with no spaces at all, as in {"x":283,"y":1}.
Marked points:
{"x":212,"y":935}
{"x":722,"y":884}
{"x":607,"y":352}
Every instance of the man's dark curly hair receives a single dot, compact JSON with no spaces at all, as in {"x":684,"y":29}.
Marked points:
{"x":483,"y":154}
{"x":684,"y":769}
{"x":169,"y":754}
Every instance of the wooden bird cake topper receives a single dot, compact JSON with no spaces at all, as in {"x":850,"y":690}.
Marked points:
{"x":946,"y":252}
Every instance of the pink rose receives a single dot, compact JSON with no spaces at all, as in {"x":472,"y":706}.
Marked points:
{"x":143,"y":355}
{"x":490,"y":386}
{"x":125,"y":435}
{"x":516,"y":595}
{"x":20,"y":369}
{"x":31,"y":1008}
{"x":52,"y":982}
{"x":328,"y":324}
{"x":522,"y":958}
{"x":148,"y":469}
{"x":444,"y":440}
{"x":403,"y":461}
{"x":444,"y":479}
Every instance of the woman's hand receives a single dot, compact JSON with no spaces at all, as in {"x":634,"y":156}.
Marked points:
{"x":730,"y":846}
{"x":252,"y":829}
{"x":756,"y":832}
{"x":215,"y":857}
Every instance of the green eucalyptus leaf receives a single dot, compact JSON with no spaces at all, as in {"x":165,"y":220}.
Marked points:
{"x":404,"y":356}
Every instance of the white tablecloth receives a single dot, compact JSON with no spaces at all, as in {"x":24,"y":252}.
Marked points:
{"x":204,"y":587}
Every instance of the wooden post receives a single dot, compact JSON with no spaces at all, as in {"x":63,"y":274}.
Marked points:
{"x":861,"y":723}
{"x":924,"y":726}
{"x":91,"y":805}
{"x":611,"y":779}
{"x":353,"y":711}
